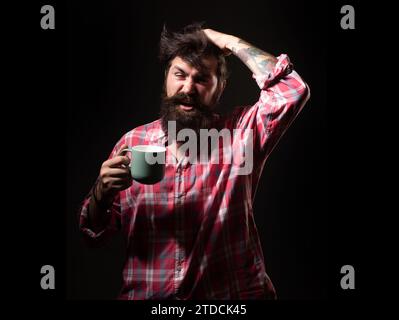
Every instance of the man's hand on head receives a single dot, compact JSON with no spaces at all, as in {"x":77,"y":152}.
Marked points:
{"x":221,"y":40}
{"x":258,"y":61}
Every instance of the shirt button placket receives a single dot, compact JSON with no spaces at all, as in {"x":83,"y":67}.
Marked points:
{"x":177,"y":226}
{"x":180,"y":189}
{"x":179,"y":235}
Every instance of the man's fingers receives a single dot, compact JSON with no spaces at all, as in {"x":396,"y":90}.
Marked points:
{"x":121,"y":150}
{"x":119,"y":172}
{"x":117,"y":161}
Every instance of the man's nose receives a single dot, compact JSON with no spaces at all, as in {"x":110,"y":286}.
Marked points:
{"x":189,"y":86}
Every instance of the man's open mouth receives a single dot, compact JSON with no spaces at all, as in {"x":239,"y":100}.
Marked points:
{"x":186,"y":107}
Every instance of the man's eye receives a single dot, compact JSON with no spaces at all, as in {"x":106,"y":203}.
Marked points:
{"x":179,"y":74}
{"x":202,"y":80}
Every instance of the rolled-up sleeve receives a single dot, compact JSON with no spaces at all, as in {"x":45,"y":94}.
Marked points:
{"x":283,"y":95}
{"x":112,"y":226}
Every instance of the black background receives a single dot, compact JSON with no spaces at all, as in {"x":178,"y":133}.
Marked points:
{"x":114,"y":84}
{"x":96,"y":76}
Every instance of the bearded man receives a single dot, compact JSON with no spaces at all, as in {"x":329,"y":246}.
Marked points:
{"x":192,"y":235}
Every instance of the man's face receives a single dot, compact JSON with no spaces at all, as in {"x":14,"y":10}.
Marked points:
{"x":190,"y":94}
{"x":201,"y":85}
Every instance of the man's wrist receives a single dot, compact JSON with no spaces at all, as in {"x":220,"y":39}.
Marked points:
{"x":99,"y":198}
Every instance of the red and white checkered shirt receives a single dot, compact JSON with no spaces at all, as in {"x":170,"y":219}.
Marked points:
{"x":193,"y":235}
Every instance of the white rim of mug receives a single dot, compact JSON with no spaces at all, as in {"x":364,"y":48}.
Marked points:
{"x":149,"y":148}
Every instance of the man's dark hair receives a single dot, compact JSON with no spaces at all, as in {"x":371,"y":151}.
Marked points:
{"x":192,"y":45}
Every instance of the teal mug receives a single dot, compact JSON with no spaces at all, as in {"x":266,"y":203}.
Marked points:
{"x":147,"y":165}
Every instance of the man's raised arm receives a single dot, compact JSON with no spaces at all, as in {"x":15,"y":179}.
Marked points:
{"x":283,"y":92}
{"x":258,"y":61}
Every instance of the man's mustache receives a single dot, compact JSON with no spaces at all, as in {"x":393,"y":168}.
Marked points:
{"x":185,"y":99}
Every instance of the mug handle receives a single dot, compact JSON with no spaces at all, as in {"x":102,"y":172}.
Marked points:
{"x":128,"y":150}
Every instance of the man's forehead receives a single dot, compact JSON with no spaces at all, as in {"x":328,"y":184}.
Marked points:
{"x":209,"y":63}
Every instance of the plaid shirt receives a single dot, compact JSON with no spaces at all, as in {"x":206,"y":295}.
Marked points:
{"x":193,"y":235}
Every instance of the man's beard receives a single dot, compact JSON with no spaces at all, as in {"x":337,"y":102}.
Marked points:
{"x":199,"y":117}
